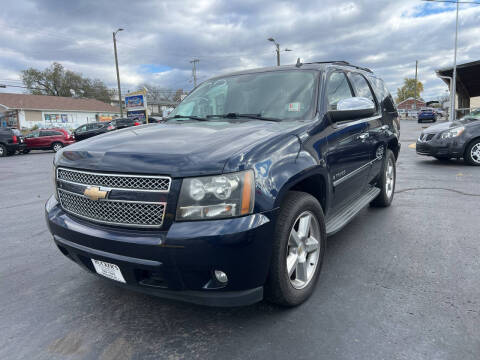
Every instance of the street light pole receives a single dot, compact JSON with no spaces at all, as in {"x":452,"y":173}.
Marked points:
{"x":277,"y":49}
{"x":118,"y":74}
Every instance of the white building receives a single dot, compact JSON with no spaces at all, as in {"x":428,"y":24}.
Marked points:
{"x":26,"y":111}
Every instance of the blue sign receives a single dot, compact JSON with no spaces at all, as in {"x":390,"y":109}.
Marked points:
{"x":134,"y":101}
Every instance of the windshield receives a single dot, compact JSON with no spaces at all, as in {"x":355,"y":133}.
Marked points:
{"x":282,"y":95}
{"x":467,"y":120}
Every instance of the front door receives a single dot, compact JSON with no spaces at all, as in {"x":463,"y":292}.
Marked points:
{"x":348,"y":151}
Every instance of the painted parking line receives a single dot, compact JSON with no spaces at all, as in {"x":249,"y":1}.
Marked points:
{"x":412,"y":146}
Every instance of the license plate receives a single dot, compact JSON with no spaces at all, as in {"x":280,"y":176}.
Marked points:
{"x":108,"y":270}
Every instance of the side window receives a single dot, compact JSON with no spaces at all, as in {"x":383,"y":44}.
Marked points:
{"x":361,"y":86}
{"x":91,"y":126}
{"x":337,"y":89}
{"x":56,"y":133}
{"x":44,"y":133}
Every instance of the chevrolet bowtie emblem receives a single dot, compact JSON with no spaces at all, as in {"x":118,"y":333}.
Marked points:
{"x":94,"y":193}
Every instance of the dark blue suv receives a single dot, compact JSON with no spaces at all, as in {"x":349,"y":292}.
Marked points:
{"x":232,"y":198}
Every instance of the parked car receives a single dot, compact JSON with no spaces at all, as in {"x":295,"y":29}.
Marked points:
{"x":11,"y":140}
{"x":427,"y":115}
{"x":48,"y":139}
{"x":458,"y":139}
{"x":122,"y":123}
{"x":155,"y":119}
{"x":92,"y":129}
{"x":232,"y":199}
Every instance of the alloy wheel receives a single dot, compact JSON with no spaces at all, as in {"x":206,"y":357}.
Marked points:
{"x":475,"y":153}
{"x":389,"y":178}
{"x":303,"y":250}
{"x":57,"y":147}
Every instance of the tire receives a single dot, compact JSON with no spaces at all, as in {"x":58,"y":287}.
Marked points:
{"x":387,"y":181}
{"x":3,"y":150}
{"x":57,"y":146}
{"x":26,"y":151}
{"x":281,"y":288}
{"x":472,"y":154}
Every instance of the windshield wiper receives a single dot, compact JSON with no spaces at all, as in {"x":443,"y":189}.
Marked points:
{"x":237,"y":116}
{"x":187,"y":117}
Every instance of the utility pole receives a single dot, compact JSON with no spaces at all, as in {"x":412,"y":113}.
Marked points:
{"x":118,"y":74}
{"x":278,"y":54}
{"x":454,"y":86}
{"x":194,"y":71}
{"x":415,"y":98}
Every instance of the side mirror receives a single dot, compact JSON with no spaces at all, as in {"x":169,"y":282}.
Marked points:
{"x":352,"y":109}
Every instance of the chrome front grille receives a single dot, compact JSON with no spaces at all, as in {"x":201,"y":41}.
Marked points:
{"x":116,"y":212}
{"x":131,"y":200}
{"x":117,"y":181}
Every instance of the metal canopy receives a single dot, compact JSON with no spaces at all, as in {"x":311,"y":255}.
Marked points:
{"x":468,"y":78}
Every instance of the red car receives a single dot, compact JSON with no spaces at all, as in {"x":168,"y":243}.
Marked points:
{"x":48,"y":139}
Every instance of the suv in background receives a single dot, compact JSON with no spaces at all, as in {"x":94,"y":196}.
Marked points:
{"x":48,"y":139}
{"x":427,"y":114}
{"x":11,"y":140}
{"x":92,"y":129}
{"x":232,"y":199}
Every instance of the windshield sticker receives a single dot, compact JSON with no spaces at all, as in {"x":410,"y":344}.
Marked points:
{"x":294,"y":106}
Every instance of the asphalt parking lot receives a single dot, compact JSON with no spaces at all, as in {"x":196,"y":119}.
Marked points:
{"x":397,"y":283}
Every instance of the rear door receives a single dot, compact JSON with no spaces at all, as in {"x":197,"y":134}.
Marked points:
{"x":347,"y":156}
{"x":45,"y":139}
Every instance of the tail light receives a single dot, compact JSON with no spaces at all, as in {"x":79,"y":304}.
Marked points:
{"x":110,"y":127}
{"x":14,"y":139}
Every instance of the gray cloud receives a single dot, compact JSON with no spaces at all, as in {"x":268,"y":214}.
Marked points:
{"x":387,"y":36}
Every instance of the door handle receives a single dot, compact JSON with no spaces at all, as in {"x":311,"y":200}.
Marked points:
{"x":364,"y":136}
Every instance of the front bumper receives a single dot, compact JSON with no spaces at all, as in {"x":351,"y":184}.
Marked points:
{"x":178,"y":263}
{"x":440,"y":147}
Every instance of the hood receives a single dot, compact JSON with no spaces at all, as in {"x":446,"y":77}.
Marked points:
{"x":467,"y":122}
{"x":434,"y":129}
{"x":176,"y":149}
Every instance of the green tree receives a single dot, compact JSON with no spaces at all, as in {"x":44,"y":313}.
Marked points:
{"x":57,"y":81}
{"x":408,"y":89}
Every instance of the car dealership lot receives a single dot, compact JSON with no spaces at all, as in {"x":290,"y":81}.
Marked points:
{"x":400,"y":283}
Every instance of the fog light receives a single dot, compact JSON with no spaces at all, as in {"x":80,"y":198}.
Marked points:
{"x":221,"y":276}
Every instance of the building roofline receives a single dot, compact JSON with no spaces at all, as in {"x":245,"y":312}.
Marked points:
{"x":410,"y":98}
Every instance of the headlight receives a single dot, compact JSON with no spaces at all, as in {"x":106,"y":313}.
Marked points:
{"x":216,"y":197}
{"x":453,"y":132}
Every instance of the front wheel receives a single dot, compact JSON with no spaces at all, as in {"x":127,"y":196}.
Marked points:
{"x":472,"y":154}
{"x":387,"y":181}
{"x":298,"y":250}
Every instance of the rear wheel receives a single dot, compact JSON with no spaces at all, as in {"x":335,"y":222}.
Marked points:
{"x":298,"y":249}
{"x":3,"y":150}
{"x":472,"y":154}
{"x":57,"y":146}
{"x":387,"y":181}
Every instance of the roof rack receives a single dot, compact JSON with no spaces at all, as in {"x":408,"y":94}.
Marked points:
{"x":341,"y":62}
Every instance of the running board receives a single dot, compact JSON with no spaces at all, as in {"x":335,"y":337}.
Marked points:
{"x":343,"y":215}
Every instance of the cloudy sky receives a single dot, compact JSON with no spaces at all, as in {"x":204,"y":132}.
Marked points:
{"x":161,"y":37}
